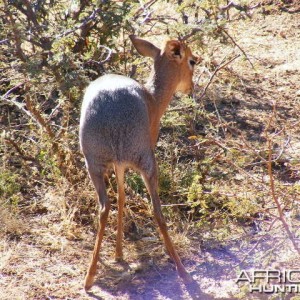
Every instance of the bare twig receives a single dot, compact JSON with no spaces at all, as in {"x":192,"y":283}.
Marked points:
{"x":243,"y":8}
{"x":11,"y":90}
{"x":176,"y":204}
{"x":218,"y":68}
{"x":28,"y":12}
{"x":16,"y":33}
{"x":291,"y":10}
{"x":237,"y":45}
{"x":189,"y":35}
{"x":22,"y":153}
{"x":4,"y":41}
{"x":276,"y":200}
{"x":242,"y":170}
{"x":19,"y":105}
{"x":143,"y":8}
{"x":272,"y":182}
{"x":90,"y":18}
{"x":108,"y":56}
{"x":65,"y":159}
{"x":38,"y":117}
{"x":257,"y":243}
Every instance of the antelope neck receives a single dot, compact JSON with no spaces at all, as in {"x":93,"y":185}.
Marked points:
{"x":162,"y":89}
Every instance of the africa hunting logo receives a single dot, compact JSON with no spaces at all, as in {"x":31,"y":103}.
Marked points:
{"x":270,"y":281}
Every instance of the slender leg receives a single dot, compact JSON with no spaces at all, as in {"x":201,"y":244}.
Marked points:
{"x":121,"y":200}
{"x":151,"y":182}
{"x":104,"y":207}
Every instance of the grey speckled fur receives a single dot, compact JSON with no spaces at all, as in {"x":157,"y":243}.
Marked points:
{"x":114,"y":123}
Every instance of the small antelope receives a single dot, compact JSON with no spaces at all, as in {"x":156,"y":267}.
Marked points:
{"x":119,"y":127}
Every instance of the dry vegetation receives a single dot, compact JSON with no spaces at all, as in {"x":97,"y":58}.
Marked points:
{"x":229,"y":158}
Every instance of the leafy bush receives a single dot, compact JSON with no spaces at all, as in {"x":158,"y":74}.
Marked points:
{"x":9,"y":189}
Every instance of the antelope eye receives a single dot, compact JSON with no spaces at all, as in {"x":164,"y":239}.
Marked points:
{"x":192,"y":62}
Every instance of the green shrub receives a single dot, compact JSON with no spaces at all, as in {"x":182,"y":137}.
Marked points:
{"x":9,"y":188}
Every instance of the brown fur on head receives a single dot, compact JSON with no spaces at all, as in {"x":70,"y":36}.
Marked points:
{"x":180,"y":53}
{"x":175,"y":60}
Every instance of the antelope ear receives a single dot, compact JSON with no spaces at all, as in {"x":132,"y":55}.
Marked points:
{"x":175,"y":50}
{"x":143,"y":47}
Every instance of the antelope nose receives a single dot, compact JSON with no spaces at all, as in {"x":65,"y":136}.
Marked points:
{"x":191,"y":91}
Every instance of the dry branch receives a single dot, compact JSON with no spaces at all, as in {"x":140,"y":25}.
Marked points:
{"x":272,"y":181}
{"x":37,"y":115}
{"x":237,"y":45}
{"x":143,"y":8}
{"x":218,"y":68}
{"x":83,"y":23}
{"x":239,"y":7}
{"x":16,"y":103}
{"x":29,"y":13}
{"x":64,"y":157}
{"x":66,"y":162}
{"x":22,"y":153}
{"x":276,"y":200}
{"x":189,"y":35}
{"x":17,"y":36}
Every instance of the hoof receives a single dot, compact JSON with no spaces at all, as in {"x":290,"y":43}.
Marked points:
{"x":186,"y":278}
{"x":88,"y":282}
{"x":119,"y":258}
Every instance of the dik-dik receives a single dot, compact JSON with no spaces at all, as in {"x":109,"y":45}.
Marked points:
{"x":119,"y":128}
